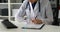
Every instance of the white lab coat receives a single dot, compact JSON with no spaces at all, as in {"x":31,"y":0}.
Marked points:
{"x":45,"y":6}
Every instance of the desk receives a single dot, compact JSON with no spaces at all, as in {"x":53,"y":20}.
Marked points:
{"x":46,"y":28}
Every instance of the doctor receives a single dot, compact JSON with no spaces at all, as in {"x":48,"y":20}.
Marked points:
{"x":36,"y":11}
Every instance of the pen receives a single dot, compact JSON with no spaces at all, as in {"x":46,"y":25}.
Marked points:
{"x":35,"y":17}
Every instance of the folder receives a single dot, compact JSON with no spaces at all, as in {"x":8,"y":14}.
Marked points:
{"x":8,"y":24}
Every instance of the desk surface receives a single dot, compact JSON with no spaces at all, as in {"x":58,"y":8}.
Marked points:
{"x":46,"y":28}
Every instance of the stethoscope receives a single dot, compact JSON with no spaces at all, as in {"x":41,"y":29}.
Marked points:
{"x":38,"y":5}
{"x":30,"y":8}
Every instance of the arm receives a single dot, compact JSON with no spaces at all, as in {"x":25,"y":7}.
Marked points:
{"x":49,"y":13}
{"x":21,"y":12}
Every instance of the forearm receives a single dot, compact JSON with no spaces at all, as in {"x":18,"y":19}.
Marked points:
{"x":47,"y":21}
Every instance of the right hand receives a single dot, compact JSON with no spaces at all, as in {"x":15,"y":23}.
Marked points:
{"x":37,"y":21}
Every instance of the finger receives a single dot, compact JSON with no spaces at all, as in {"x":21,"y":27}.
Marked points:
{"x":34,"y":21}
{"x":39,"y":21}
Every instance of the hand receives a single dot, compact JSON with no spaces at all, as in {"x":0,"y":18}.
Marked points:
{"x":37,"y":21}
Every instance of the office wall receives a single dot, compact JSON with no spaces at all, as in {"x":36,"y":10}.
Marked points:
{"x":16,"y":1}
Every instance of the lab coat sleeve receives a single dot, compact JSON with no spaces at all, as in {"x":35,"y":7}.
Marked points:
{"x":49,"y":14}
{"x":21,"y":12}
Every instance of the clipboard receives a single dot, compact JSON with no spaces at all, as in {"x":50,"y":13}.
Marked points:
{"x":32,"y":27}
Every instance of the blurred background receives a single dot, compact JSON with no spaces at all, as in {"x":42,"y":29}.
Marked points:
{"x":8,"y":8}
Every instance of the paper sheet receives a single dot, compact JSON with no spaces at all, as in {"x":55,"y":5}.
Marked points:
{"x":32,"y":25}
